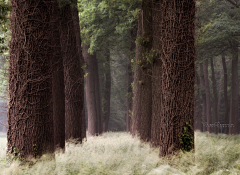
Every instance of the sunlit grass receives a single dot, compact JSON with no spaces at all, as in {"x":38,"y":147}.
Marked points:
{"x":119,"y":153}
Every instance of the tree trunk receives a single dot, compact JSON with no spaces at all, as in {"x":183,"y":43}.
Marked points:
{"x":137,"y":91}
{"x":90,"y":92}
{"x":203,"y":92}
{"x":107,"y":93}
{"x":215,"y":98}
{"x":156,"y":78}
{"x":219,"y":96}
{"x":178,"y":75}
{"x":146,"y":98}
{"x":30,"y":122}
{"x":58,"y":82}
{"x":207,"y":90}
{"x":129,"y":89}
{"x":73,"y":76}
{"x":79,"y":49}
{"x":226,"y":119}
{"x":234,"y":117}
{"x":197,"y":108}
{"x":98,"y":98}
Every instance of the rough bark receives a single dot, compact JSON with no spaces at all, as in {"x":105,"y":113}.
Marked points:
{"x":219,"y":96}
{"x":207,"y":90}
{"x":73,"y":76}
{"x":178,"y":75}
{"x":234,"y":117}
{"x":30,"y":122}
{"x":107,"y":91}
{"x":215,"y":98}
{"x":226,"y":119}
{"x":57,"y":82}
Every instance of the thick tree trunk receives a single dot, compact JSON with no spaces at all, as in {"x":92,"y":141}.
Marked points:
{"x":146,"y":99}
{"x":203,"y":92}
{"x":73,"y":76}
{"x":107,"y":91}
{"x":57,"y":82}
{"x":234,"y":117}
{"x":90,"y":92}
{"x":207,"y":90}
{"x":226,"y":119}
{"x":137,"y":91}
{"x":215,"y":98}
{"x":30,"y":122}
{"x":178,"y":75}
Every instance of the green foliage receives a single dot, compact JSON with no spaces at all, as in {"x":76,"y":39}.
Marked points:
{"x":13,"y":154}
{"x":142,"y":41}
{"x":150,"y":56}
{"x":186,"y":138}
{"x":35,"y":150}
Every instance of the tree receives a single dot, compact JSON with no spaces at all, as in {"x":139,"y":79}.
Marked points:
{"x":30,"y":122}
{"x":178,"y":75}
{"x":57,"y":82}
{"x":73,"y":74}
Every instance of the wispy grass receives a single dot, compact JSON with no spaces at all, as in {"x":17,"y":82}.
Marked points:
{"x":119,"y":153}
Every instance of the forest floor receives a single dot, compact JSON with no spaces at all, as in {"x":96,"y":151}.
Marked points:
{"x":119,"y":153}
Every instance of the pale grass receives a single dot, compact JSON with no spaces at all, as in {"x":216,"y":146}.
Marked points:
{"x":118,"y":153}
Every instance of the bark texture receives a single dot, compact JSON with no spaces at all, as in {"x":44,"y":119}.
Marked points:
{"x":178,"y":75}
{"x":30,"y":122}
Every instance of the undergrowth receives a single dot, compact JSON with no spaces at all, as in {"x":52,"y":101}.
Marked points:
{"x":119,"y":153}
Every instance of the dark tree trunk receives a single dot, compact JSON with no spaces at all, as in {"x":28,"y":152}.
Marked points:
{"x":215,"y":98}
{"x":156,"y":78}
{"x":98,"y":98}
{"x":57,"y":82}
{"x":178,"y":75}
{"x":79,"y":49}
{"x":219,"y":97}
{"x":207,"y":90}
{"x":234,"y":117}
{"x":30,"y":121}
{"x":146,"y":98}
{"x":226,"y":119}
{"x":107,"y":93}
{"x":73,"y":76}
{"x":197,"y":108}
{"x":203,"y":92}
{"x":137,"y":91}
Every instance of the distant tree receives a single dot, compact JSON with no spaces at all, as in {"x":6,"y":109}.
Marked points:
{"x":30,"y":122}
